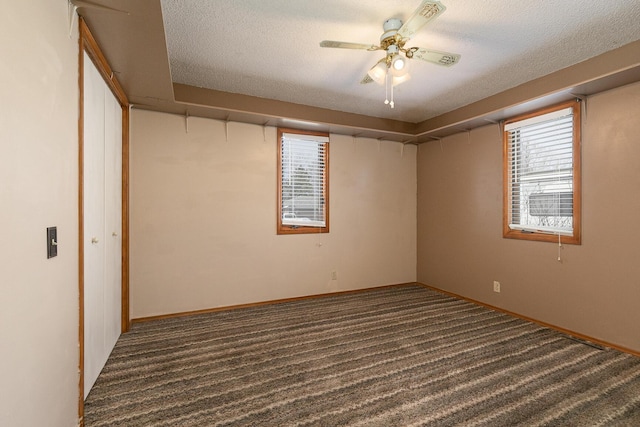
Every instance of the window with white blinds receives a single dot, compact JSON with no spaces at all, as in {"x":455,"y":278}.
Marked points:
{"x":303,"y":159}
{"x":542,"y":173}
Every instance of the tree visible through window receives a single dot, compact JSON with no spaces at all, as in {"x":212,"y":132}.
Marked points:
{"x":542,"y":175}
{"x":303,"y":159}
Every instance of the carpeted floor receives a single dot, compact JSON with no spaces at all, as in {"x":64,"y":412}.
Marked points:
{"x":400,"y":356}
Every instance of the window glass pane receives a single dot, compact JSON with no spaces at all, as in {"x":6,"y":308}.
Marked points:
{"x":303,"y":182}
{"x":542,"y":175}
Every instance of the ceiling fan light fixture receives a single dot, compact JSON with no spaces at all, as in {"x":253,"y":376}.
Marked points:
{"x":398,"y":63}
{"x":400,"y":79}
{"x":399,"y":66}
{"x":378,"y":73}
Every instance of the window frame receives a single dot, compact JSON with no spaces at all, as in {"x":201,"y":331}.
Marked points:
{"x":576,"y":237}
{"x":299,"y":229}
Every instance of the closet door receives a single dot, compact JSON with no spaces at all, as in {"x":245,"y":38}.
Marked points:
{"x":102,"y":222}
{"x":113,"y":219}
{"x":94,"y":223}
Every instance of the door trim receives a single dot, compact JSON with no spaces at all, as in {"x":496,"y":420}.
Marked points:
{"x":88,"y":44}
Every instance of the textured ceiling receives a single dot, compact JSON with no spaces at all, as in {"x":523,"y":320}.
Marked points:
{"x":270,"y":49}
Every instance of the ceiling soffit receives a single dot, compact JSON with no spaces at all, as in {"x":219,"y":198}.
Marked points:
{"x":136,"y":49}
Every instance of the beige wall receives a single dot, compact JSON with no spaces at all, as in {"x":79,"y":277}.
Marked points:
{"x":203,"y":217}
{"x":596,"y":289}
{"x":39,"y":181}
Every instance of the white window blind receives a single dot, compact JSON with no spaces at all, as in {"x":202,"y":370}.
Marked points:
{"x":540,"y":155}
{"x":303,"y":160}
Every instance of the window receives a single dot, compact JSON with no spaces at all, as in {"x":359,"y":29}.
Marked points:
{"x":303,"y":182}
{"x":542,"y":175}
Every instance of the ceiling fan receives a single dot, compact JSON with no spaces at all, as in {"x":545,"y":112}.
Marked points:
{"x":392,"y":69}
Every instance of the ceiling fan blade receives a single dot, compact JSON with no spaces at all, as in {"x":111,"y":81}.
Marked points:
{"x":366,"y":79}
{"x":347,"y":45}
{"x":427,"y":11}
{"x":441,"y":58}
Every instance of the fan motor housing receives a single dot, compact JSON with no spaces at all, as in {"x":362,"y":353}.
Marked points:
{"x":392,"y":24}
{"x":390,"y":27}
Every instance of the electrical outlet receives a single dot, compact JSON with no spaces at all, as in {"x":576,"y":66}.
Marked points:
{"x":334,"y":275}
{"x":496,"y":286}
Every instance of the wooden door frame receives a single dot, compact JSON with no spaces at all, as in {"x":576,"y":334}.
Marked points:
{"x":88,"y":44}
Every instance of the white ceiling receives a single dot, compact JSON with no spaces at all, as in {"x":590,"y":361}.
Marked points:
{"x":271,"y":49}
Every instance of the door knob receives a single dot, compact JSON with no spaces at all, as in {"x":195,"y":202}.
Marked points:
{"x":94,"y":240}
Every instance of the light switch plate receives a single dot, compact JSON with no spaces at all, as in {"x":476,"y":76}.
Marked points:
{"x":52,"y":242}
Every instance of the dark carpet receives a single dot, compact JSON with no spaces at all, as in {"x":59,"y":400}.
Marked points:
{"x":398,"y":356}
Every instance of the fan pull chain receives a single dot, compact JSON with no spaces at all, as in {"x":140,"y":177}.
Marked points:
{"x":559,"y":248}
{"x":386,"y":89}
{"x":392,"y":104}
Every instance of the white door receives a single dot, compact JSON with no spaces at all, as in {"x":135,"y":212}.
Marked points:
{"x":102,"y":222}
{"x":113,"y":220}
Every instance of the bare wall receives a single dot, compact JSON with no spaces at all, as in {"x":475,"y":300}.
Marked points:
{"x":39,"y":188}
{"x":203,"y":217}
{"x":595,"y":290}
